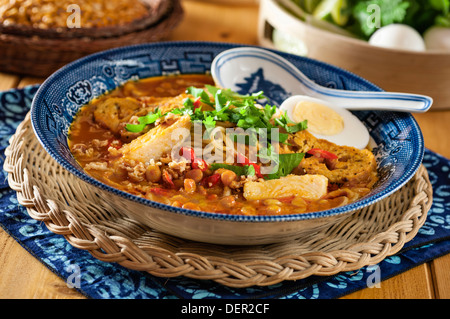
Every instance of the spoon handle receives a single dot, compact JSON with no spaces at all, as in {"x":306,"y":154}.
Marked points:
{"x":383,"y":101}
{"x":365,"y":100}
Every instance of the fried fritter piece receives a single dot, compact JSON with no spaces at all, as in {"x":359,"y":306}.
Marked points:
{"x":111,"y":112}
{"x":354,"y":167}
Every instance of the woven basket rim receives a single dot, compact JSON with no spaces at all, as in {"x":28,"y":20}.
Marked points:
{"x":27,"y":39}
{"x":166,"y":256}
{"x":156,"y":11}
{"x":38,"y":56}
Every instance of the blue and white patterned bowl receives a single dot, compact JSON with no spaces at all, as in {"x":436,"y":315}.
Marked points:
{"x":398,"y":141}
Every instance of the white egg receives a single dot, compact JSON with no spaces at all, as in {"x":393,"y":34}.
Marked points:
{"x":437,"y":38}
{"x":398,"y":36}
{"x":326,"y":121}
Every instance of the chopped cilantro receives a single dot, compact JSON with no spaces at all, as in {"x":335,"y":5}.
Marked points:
{"x":199,"y":93}
{"x":144,"y":121}
{"x":244,"y":113}
{"x":290,"y":126}
{"x":209,"y":122}
{"x":391,"y":11}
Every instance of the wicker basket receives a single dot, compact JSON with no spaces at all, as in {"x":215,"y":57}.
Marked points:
{"x":40,"y":56}
{"x":63,"y":202}
{"x":157,"y":10}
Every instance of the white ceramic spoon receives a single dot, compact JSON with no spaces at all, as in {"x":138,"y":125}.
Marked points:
{"x":233,"y":66}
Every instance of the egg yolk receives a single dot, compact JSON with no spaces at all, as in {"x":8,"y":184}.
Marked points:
{"x":321,"y":119}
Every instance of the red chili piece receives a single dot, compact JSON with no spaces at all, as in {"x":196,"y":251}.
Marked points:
{"x":197,"y":103}
{"x":168,"y":178}
{"x":212,"y":180}
{"x":188,"y":153}
{"x":197,"y":162}
{"x":322,"y":154}
{"x":243,"y":160}
{"x":200,"y":163}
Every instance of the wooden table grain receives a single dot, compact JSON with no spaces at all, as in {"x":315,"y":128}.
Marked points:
{"x":22,"y":276}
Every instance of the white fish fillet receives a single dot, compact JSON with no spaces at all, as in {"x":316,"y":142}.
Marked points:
{"x":310,"y":187}
{"x":158,"y":141}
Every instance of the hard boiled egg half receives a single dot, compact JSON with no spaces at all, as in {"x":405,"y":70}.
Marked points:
{"x":326,"y":121}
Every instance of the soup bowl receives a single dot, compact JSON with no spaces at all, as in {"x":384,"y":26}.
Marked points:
{"x":395,"y":137}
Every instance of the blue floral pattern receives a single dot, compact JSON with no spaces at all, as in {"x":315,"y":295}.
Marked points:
{"x":103,"y":280}
{"x":80,"y":93}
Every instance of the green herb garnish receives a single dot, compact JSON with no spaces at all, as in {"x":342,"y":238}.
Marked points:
{"x":286,"y":163}
{"x":244,"y":113}
{"x":245,"y":170}
{"x":290,"y":126}
{"x":144,"y":121}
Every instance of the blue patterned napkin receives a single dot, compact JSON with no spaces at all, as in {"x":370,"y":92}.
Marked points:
{"x":101,"y":280}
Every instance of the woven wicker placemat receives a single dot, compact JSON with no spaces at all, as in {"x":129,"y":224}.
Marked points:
{"x":60,"y":200}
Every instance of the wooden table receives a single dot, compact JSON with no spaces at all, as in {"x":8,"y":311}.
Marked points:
{"x":23,"y":276}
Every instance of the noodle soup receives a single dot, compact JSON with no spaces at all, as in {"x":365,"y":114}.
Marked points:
{"x":181,"y":141}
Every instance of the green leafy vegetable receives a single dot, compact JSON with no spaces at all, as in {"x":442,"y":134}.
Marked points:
{"x":199,"y":93}
{"x":209,"y":122}
{"x":286,"y":163}
{"x":245,"y":170}
{"x":358,"y":16}
{"x":391,"y":11}
{"x":424,"y":14}
{"x":144,"y":121}
{"x":283,"y":163}
{"x":441,"y":5}
{"x":290,"y":126}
